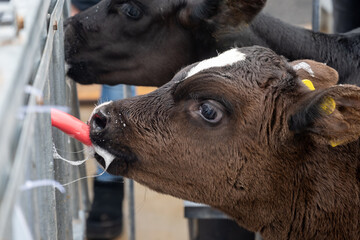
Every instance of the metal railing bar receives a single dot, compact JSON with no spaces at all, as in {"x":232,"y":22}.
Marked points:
{"x":43,"y":69}
{"x":316,"y":15}
{"x":16,"y":178}
{"x":15,"y":84}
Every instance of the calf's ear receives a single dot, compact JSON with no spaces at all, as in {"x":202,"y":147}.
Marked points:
{"x":220,"y":13}
{"x":321,"y":75}
{"x":329,"y":116}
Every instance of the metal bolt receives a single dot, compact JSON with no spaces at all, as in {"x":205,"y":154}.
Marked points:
{"x":20,"y":22}
{"x":39,"y":100}
{"x":55,"y":25}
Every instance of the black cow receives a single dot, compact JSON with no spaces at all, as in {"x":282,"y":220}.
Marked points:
{"x":145,"y":42}
{"x":340,"y":51}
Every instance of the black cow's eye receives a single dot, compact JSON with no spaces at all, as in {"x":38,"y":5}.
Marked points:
{"x":131,"y":11}
{"x":210,"y":111}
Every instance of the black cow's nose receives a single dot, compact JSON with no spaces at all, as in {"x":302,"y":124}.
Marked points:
{"x":99,"y":122}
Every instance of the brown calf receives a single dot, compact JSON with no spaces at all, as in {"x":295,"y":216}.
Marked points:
{"x":243,"y":133}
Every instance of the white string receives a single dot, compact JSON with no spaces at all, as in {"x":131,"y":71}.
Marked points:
{"x":56,"y":155}
{"x":33,"y":91}
{"x":92,"y":176}
{"x":42,"y":183}
{"x":66,"y":151}
{"x":40,"y":109}
{"x":108,"y":158}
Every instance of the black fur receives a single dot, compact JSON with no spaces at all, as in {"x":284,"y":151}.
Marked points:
{"x":104,"y":46}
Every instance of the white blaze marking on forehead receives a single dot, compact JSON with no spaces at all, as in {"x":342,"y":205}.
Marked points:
{"x":304,"y":66}
{"x":226,"y":58}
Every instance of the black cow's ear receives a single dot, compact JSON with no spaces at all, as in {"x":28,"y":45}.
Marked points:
{"x":221,"y":13}
{"x":329,"y":116}
{"x":193,"y":14}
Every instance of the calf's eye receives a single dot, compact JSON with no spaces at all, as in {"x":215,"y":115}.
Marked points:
{"x":211,"y":111}
{"x":131,"y":11}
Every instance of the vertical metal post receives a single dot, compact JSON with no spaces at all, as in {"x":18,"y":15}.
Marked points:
{"x":316,"y":15}
{"x":131,"y":199}
{"x":130,"y":184}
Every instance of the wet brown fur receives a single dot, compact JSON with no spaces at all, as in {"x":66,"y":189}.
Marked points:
{"x":268,"y":163}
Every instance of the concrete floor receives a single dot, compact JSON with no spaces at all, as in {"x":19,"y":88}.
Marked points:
{"x":160,"y":217}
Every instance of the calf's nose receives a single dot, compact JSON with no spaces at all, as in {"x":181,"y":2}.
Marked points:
{"x":99,"y":122}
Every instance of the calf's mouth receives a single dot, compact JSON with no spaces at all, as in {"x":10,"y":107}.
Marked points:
{"x":110,"y":152}
{"x":118,"y":165}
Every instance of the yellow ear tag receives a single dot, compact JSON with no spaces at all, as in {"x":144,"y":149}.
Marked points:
{"x":328,"y":105}
{"x":309,"y":84}
{"x":334,"y":144}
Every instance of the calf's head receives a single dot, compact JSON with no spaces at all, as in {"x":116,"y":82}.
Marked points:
{"x":146,"y":42}
{"x":243,"y":133}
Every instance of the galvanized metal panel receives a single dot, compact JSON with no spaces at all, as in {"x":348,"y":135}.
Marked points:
{"x":35,"y":58}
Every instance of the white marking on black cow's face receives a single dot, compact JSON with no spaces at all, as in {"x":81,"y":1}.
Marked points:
{"x":226,"y":58}
{"x":304,"y":66}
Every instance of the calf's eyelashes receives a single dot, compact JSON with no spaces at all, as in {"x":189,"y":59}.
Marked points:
{"x":213,"y":91}
{"x":209,"y":111}
{"x":131,"y":10}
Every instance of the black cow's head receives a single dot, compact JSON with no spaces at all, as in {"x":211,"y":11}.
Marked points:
{"x":144,"y":42}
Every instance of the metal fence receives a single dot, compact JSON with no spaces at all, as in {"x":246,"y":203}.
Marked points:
{"x":33,"y":204}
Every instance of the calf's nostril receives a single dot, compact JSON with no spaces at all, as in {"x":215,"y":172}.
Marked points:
{"x":99,"y":122}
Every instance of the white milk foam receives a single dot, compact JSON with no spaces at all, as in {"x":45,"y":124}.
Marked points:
{"x":56,"y":155}
{"x":108,"y":158}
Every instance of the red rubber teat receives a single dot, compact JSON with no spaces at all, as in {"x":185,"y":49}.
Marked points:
{"x":71,"y":126}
